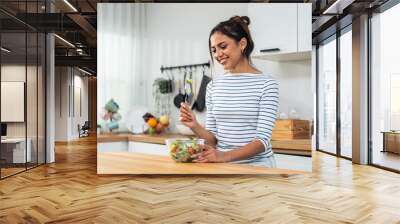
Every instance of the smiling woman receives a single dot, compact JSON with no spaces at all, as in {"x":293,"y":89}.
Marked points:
{"x":241,"y":105}
{"x":231,"y":44}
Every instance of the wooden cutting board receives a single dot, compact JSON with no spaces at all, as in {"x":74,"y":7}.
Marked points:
{"x":289,"y":129}
{"x":139,"y":163}
{"x":291,"y":125}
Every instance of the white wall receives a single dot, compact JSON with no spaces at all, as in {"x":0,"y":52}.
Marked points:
{"x":12,"y":73}
{"x":295,"y":85}
{"x":183,"y":39}
{"x":68,"y":80}
{"x":79,"y":117}
{"x":61,"y":103}
{"x":33,"y":126}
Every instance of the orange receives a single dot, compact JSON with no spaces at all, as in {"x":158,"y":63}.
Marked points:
{"x":152,"y":122}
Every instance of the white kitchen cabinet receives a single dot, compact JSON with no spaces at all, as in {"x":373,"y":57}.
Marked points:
{"x":273,"y":26}
{"x":131,"y":146}
{"x":293,"y":162}
{"x":112,"y":147}
{"x":304,"y":30}
{"x":149,"y":148}
{"x":283,"y":26}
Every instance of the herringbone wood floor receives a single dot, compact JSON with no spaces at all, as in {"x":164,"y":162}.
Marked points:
{"x":69,"y":191}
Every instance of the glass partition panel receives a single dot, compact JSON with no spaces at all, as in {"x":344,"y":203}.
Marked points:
{"x":346,"y":94}
{"x":22,"y":88}
{"x":41,"y":79}
{"x":14,"y":153}
{"x":31,"y":98}
{"x":327,"y":96}
{"x":32,"y":85}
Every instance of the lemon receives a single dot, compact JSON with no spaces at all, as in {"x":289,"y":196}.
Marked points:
{"x":164,"y":120}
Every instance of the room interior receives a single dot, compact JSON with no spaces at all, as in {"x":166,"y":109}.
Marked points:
{"x":48,"y":172}
{"x":152,"y":53}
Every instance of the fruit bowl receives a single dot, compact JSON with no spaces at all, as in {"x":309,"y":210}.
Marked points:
{"x":181,"y":149}
{"x":156,"y":125}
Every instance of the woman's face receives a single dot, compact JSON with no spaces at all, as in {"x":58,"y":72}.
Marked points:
{"x":227,"y":51}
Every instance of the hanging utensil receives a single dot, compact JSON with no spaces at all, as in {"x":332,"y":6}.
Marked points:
{"x":200,"y":102}
{"x":171,"y":81}
{"x":165,"y":83}
{"x":180,"y":97}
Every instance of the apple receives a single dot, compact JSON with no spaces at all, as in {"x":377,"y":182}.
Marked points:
{"x":152,"y":131}
{"x":159,"y":128}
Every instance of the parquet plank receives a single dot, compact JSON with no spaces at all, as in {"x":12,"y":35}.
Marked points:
{"x":70,"y":191}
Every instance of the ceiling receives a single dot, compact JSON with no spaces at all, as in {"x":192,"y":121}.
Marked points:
{"x":76,"y":22}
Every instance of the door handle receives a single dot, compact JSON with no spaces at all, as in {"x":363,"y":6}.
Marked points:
{"x":269,"y":50}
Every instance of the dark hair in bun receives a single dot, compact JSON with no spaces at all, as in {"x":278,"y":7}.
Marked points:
{"x":236,"y":28}
{"x":242,"y":19}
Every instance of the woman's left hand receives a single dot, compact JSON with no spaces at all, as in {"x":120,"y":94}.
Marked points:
{"x":210,"y":155}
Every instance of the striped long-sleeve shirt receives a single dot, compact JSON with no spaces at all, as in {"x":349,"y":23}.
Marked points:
{"x":241,"y":108}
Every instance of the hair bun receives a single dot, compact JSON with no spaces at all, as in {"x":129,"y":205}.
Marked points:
{"x":245,"y":19}
{"x":241,"y":19}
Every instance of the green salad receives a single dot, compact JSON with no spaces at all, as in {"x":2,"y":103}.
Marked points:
{"x":182,"y":150}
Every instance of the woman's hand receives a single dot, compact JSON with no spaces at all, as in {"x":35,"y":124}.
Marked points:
{"x":210,"y":155}
{"x":187,"y":116}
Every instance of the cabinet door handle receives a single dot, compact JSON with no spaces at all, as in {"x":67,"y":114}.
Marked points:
{"x":269,"y":50}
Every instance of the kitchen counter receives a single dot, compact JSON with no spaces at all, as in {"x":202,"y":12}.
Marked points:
{"x":155,"y":139}
{"x":140,"y":163}
{"x":291,"y":147}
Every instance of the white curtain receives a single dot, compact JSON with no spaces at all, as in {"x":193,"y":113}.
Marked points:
{"x":121,"y":37}
{"x":129,"y":58}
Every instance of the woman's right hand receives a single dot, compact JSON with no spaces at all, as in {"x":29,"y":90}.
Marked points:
{"x":187,"y":116}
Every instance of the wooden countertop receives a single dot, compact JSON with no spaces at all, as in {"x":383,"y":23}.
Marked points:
{"x":140,"y":163}
{"x":295,"y":146}
{"x":155,"y":139}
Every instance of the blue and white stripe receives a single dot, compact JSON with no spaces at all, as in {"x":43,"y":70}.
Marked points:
{"x":242,"y":108}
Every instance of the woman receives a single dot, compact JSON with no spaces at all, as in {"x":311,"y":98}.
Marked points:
{"x":241,"y":105}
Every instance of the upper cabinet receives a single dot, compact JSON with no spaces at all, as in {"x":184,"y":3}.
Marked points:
{"x":281,"y":31}
{"x":304,"y":27}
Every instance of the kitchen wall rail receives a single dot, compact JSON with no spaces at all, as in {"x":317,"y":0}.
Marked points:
{"x":185,"y":66}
